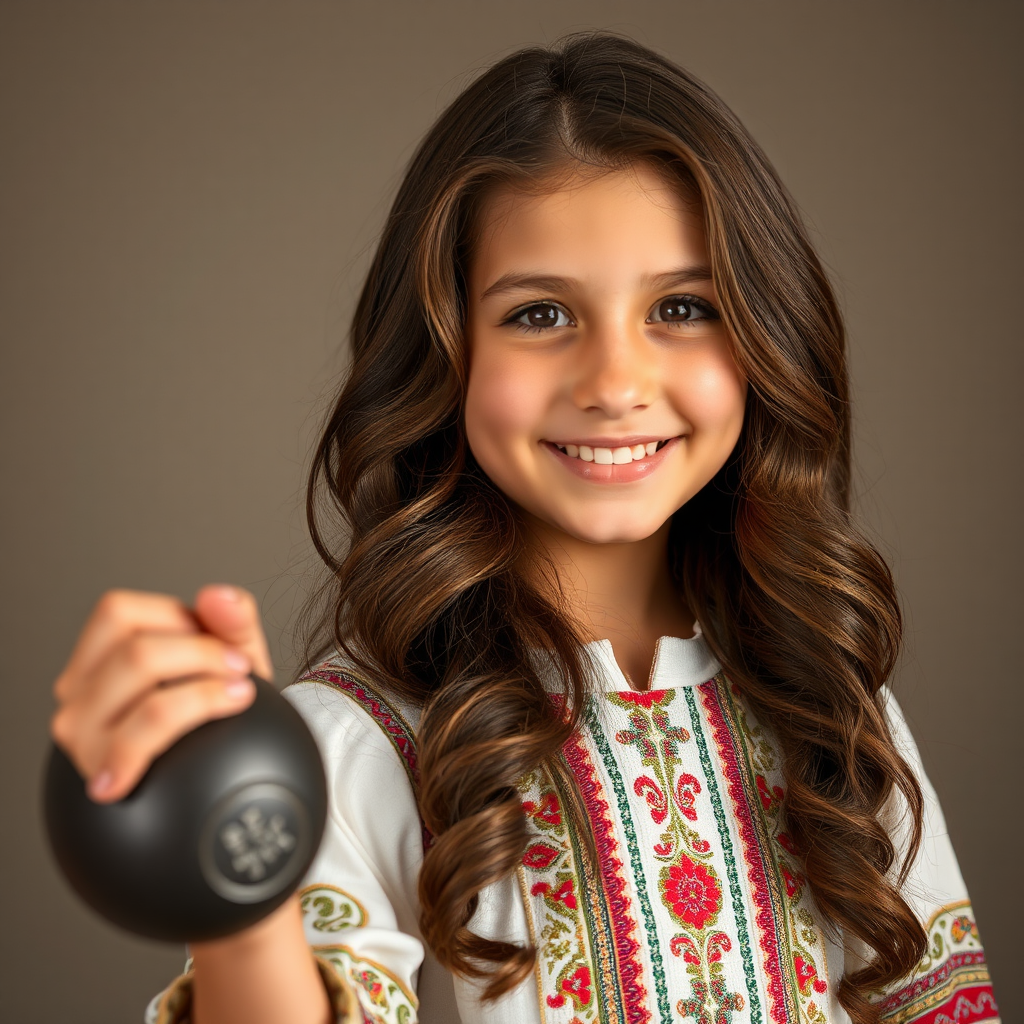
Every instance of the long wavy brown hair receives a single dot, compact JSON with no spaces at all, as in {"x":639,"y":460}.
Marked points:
{"x":424,"y":584}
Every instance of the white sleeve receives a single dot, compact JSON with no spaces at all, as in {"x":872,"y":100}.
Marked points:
{"x":359,"y":897}
{"x":951,"y":982}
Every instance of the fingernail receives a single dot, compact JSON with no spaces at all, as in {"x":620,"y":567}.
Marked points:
{"x":101,"y":785}
{"x":228,"y":593}
{"x":238,"y":688}
{"x":236,"y":661}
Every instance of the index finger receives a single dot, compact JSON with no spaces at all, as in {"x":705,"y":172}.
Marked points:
{"x":117,"y":615}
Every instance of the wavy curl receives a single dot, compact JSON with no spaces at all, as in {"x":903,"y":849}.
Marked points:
{"x":430,"y":595}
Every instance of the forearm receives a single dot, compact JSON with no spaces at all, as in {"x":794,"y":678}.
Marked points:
{"x":264,"y":975}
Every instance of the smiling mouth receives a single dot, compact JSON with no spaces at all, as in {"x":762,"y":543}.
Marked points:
{"x":612,"y":456}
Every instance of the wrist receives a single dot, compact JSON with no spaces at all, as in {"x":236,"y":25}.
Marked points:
{"x":262,"y":975}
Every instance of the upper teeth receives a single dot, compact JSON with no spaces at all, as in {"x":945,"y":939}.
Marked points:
{"x":610,"y":456}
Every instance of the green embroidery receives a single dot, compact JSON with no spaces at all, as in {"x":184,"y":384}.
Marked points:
{"x":730,"y":860}
{"x":332,"y":909}
{"x":796,"y":930}
{"x":612,"y":768}
{"x":605,"y":979}
{"x":688,"y":883}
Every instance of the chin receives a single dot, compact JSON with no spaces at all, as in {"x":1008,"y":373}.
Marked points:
{"x":614,"y":532}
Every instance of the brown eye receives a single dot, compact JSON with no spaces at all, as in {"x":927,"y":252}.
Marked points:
{"x":682,"y":309}
{"x":541,"y":315}
{"x":675,"y":309}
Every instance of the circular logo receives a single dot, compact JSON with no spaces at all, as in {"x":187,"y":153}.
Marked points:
{"x":254,"y":843}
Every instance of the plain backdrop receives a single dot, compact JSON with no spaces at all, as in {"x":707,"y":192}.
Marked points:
{"x":189,"y":193}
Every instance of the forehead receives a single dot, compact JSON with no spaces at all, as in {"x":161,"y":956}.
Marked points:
{"x":589,"y":224}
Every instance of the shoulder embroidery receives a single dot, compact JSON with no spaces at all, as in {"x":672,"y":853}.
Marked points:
{"x":390,"y":721}
{"x":331,"y":909}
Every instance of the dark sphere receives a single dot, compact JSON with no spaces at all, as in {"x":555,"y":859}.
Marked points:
{"x":216,"y":835}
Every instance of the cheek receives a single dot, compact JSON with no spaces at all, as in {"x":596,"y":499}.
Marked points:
{"x":503,"y":405}
{"x":714,"y":395}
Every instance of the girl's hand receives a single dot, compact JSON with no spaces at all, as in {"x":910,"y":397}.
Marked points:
{"x":146,"y":670}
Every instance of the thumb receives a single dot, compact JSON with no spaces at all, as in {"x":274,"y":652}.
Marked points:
{"x":231,"y":614}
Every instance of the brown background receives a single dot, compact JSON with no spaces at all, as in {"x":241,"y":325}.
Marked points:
{"x":188,"y":193}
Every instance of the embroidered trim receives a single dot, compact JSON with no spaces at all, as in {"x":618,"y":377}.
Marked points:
{"x":784,"y":905}
{"x":728,"y":853}
{"x":621,"y":973}
{"x":382,"y":997}
{"x":531,"y":926}
{"x":688,"y":883}
{"x":552,"y":874}
{"x":639,"y":876}
{"x":951,"y":984}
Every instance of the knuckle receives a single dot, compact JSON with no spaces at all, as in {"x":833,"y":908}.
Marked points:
{"x":157,"y":713}
{"x":113,"y":604}
{"x":212,"y":648}
{"x":248,"y":601}
{"x":61,"y":687}
{"x":136,"y":652}
{"x":62,"y":729}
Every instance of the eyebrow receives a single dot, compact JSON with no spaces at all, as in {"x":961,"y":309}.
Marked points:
{"x":514,"y":281}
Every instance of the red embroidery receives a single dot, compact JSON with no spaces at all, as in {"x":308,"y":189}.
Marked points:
{"x":577,"y":986}
{"x":971,"y":1002}
{"x":751,"y":848}
{"x":656,"y":799}
{"x":768,"y":796}
{"x":540,"y":855}
{"x":548,"y":809}
{"x":794,"y":883}
{"x":564,"y":894}
{"x":807,"y":975}
{"x":692,"y":893}
{"x":613,"y":884}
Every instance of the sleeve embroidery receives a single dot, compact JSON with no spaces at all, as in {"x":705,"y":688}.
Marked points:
{"x":951,"y":983}
{"x":174,"y":1004}
{"x":381,"y":996}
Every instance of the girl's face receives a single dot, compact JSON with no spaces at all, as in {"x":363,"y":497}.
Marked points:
{"x":602,"y":389}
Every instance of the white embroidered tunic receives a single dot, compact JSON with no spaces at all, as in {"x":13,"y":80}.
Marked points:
{"x":700,"y":912}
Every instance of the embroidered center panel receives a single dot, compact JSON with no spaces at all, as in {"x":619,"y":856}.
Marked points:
{"x":695,"y":909}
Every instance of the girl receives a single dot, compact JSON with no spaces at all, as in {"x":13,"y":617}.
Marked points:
{"x":598,"y":671}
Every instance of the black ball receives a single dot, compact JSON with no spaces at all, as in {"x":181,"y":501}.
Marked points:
{"x":216,"y":835}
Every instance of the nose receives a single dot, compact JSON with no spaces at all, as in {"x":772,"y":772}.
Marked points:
{"x":617,"y":371}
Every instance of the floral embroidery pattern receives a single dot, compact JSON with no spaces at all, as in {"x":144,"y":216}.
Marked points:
{"x":689,"y":886}
{"x":588,"y":941}
{"x":382,"y":997}
{"x":951,"y":984}
{"x":551,"y":873}
{"x":612,"y":922}
{"x":691,"y":892}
